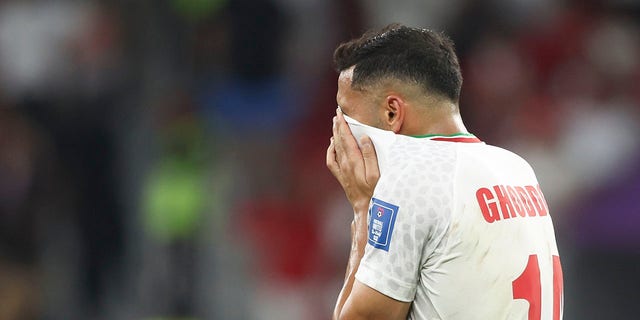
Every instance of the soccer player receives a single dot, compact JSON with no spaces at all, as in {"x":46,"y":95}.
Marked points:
{"x":444,"y":225}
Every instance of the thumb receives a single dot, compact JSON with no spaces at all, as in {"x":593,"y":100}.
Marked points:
{"x":372,"y":172}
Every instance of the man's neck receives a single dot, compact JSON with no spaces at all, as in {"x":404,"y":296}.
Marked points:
{"x":441,"y":120}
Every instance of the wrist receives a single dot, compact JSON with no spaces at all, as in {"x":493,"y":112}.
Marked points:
{"x":360,"y":226}
{"x":359,"y":235}
{"x":361,"y":207}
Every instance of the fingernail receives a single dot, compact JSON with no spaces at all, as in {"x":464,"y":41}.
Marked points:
{"x":365,"y":142}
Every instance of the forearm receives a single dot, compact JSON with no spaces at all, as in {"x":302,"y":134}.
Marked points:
{"x":356,"y":169}
{"x":358,"y":243}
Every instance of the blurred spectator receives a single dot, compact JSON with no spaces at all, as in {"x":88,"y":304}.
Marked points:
{"x":60,"y":62}
{"x":175,"y":200}
{"x":35,"y":40}
{"x":25,"y":188}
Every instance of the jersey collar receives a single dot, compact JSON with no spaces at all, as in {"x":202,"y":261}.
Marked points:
{"x":457,"y":137}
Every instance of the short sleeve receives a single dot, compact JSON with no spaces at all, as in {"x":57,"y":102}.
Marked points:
{"x":393,"y":255}
{"x":409,"y":214}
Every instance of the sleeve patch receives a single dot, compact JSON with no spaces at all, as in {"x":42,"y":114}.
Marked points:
{"x":382,"y":218}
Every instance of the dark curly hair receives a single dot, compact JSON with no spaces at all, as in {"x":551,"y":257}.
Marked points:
{"x":409,"y":54}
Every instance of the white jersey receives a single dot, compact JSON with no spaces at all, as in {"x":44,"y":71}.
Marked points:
{"x":460,"y":229}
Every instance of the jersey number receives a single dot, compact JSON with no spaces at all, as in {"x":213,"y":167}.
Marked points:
{"x":528,"y":287}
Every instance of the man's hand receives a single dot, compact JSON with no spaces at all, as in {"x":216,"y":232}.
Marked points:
{"x":356,"y":169}
{"x":357,"y":172}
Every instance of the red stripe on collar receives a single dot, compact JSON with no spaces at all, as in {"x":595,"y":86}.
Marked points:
{"x":457,"y":139}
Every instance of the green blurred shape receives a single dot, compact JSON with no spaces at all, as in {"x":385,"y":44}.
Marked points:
{"x":197,"y":9}
{"x":175,"y":199}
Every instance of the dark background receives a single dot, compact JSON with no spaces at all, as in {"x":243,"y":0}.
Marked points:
{"x":165,"y":159}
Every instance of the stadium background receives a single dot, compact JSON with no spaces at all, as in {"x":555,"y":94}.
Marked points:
{"x":165,"y":159}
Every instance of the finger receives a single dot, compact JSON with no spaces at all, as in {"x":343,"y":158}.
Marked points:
{"x":332,"y":164}
{"x":336,"y":136}
{"x":348,"y":153}
{"x":372,"y":171}
{"x":341,"y":123}
{"x":345,"y":142}
{"x":337,"y":144}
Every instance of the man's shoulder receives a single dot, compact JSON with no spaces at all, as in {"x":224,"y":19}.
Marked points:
{"x":492,"y":163}
{"x":413,"y":151}
{"x":414,"y":166}
{"x":496,"y":154}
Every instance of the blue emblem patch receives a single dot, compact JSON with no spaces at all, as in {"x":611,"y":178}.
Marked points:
{"x":382,"y":217}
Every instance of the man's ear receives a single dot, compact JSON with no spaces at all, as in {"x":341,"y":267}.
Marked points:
{"x":394,"y":112}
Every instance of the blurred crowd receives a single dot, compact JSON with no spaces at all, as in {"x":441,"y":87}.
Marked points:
{"x":165,"y":159}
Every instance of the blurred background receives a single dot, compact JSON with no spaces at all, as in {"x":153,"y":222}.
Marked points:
{"x":165,"y":159}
